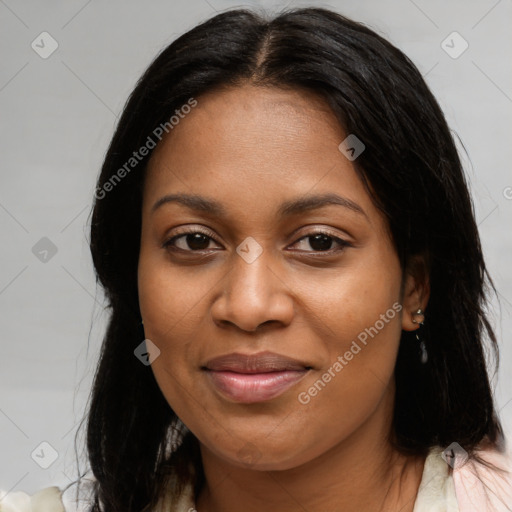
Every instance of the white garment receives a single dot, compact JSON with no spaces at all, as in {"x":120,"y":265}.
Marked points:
{"x":436,"y":492}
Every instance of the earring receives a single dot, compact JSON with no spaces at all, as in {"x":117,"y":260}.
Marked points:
{"x":419,"y":318}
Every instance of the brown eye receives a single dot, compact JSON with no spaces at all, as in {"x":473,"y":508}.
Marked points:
{"x":197,"y":241}
{"x":189,"y":241}
{"x":323,"y":242}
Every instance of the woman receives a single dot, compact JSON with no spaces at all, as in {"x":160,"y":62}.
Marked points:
{"x":282,"y":216}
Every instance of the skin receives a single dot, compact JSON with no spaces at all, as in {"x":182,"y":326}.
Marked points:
{"x":251,"y":149}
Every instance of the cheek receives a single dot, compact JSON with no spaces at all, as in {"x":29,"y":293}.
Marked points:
{"x":361,"y":296}
{"x":172,"y":302}
{"x":173,"y":311}
{"x":360,"y":312}
{"x":347,"y":391}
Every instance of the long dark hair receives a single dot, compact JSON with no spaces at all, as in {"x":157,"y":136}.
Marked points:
{"x":412,"y":171}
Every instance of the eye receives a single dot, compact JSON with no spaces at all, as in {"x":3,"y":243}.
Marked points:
{"x":190,"y":241}
{"x":198,"y":240}
{"x":322,"y":241}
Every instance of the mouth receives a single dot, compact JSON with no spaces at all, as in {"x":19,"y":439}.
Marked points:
{"x":254,"y":378}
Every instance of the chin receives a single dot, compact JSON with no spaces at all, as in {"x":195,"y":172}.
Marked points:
{"x":264,"y":456}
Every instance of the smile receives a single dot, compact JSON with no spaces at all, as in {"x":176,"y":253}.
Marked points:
{"x":254,"y":378}
{"x":254,"y":387}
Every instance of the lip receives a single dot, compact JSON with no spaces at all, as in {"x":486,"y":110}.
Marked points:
{"x":251,"y":378}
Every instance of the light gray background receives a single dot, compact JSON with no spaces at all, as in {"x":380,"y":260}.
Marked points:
{"x":57,"y":117}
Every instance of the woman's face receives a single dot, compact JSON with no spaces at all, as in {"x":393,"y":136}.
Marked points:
{"x":319,"y":313}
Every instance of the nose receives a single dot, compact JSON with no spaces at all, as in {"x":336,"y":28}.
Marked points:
{"x":253,"y":294}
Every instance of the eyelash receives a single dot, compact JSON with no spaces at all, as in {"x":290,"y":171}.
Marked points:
{"x":169,"y":243}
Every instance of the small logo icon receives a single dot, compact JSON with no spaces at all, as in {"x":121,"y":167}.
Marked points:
{"x":352,"y":147}
{"x":44,"y":250}
{"x":454,"y":455}
{"x":146,"y":352}
{"x":249,"y":453}
{"x":44,"y":455}
{"x":44,"y":45}
{"x":454,"y":45}
{"x":249,"y":250}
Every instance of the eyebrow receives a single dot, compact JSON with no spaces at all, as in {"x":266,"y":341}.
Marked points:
{"x":288,"y":208}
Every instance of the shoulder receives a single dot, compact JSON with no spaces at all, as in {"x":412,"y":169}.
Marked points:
{"x":48,"y":499}
{"x":484,"y":481}
{"x":454,"y":481}
{"x":51,"y":499}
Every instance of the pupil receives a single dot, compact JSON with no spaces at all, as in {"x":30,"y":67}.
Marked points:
{"x":320,"y":242}
{"x":197,"y":241}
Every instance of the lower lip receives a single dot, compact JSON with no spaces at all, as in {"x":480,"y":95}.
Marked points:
{"x":254,"y":387}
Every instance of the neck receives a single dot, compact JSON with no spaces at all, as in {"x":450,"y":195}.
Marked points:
{"x":362,"y":472}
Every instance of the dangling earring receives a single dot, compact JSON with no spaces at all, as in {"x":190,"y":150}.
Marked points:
{"x":419,"y":318}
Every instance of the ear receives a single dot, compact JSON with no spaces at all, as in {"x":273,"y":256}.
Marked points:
{"x":416,"y":292}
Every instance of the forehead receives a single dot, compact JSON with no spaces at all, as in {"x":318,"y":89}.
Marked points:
{"x":251,"y":147}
